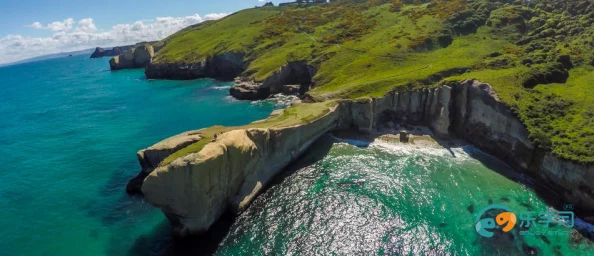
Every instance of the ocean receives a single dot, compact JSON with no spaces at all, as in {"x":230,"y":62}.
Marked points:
{"x":70,"y":129}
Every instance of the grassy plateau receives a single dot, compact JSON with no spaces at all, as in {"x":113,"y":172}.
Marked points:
{"x":538,"y":55}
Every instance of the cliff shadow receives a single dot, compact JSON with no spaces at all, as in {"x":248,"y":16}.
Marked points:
{"x":160,"y":241}
{"x":547,"y":193}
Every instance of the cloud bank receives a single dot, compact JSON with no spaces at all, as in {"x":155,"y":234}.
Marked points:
{"x":70,"y":35}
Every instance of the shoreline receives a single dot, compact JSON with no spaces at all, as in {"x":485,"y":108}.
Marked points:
{"x":469,"y":110}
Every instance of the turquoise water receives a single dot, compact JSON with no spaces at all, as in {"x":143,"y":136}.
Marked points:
{"x":389,"y":199}
{"x":69,"y":131}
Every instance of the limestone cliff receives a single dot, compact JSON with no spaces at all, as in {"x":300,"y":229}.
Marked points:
{"x":137,"y":57}
{"x":150,"y":158}
{"x":195,"y":189}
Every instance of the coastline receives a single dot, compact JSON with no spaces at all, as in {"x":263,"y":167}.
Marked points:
{"x":469,"y":110}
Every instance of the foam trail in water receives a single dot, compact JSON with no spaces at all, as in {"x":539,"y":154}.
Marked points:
{"x":221,"y":87}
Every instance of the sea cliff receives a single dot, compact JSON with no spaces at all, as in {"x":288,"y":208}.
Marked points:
{"x":294,"y":78}
{"x":193,"y":189}
{"x":115,"y":51}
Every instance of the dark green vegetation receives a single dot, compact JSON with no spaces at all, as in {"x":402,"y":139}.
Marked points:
{"x":538,"y":55}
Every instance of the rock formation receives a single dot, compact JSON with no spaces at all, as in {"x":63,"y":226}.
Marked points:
{"x":115,"y":51}
{"x":294,"y":78}
{"x":150,"y":158}
{"x":223,"y":67}
{"x":195,"y":189}
{"x":138,"y":57}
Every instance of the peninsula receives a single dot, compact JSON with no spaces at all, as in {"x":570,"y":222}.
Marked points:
{"x":512,"y":77}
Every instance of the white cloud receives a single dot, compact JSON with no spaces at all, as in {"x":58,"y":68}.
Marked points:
{"x":87,"y":35}
{"x":58,"y":26}
{"x":86,"y":25}
{"x":36,"y":25}
{"x":215,"y":16}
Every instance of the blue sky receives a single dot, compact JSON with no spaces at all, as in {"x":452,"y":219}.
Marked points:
{"x":30,"y":28}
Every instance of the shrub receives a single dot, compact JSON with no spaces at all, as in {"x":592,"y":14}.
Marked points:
{"x":545,"y":74}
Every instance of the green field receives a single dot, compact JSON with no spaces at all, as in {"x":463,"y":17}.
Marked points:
{"x":539,"y":56}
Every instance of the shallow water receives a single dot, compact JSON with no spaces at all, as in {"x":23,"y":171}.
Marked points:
{"x":69,"y":131}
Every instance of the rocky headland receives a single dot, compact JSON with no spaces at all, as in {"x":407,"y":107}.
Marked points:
{"x":115,"y":51}
{"x":293,"y":78}
{"x":139,"y":56}
{"x":193,"y":188}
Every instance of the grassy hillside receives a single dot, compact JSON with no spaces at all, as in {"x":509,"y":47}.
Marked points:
{"x":539,"y":56}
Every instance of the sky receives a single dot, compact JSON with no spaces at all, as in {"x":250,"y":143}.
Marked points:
{"x":30,"y":28}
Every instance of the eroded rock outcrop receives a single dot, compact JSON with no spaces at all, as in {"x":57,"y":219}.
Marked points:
{"x":223,"y":67}
{"x":194,"y":190}
{"x":150,"y":158}
{"x":228,"y":173}
{"x":115,"y":51}
{"x":138,"y":57}
{"x":294,"y":78}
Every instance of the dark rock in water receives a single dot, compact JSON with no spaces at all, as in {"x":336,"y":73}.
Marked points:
{"x":247,"y":90}
{"x":404,"y":137}
{"x":443,"y":225}
{"x":470,"y":208}
{"x":576,"y":236}
{"x":291,"y":89}
{"x":135,"y":184}
{"x":504,"y":199}
{"x":98,"y":53}
{"x":545,"y":239}
{"x":490,"y":201}
{"x":529,"y":250}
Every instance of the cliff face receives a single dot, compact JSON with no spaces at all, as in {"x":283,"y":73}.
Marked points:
{"x":472,"y":111}
{"x":293,"y":78}
{"x":195,"y":189}
{"x":150,"y":158}
{"x":115,"y":51}
{"x":137,"y":57}
{"x":224,"y":67}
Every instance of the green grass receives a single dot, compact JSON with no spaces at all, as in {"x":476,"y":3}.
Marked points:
{"x":294,"y":115}
{"x":197,"y":42}
{"x":366,"y":49}
{"x":195,"y":147}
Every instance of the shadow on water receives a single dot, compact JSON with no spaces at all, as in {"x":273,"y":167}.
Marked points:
{"x":160,"y":240}
{"x":544,"y":191}
{"x":114,"y":206}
